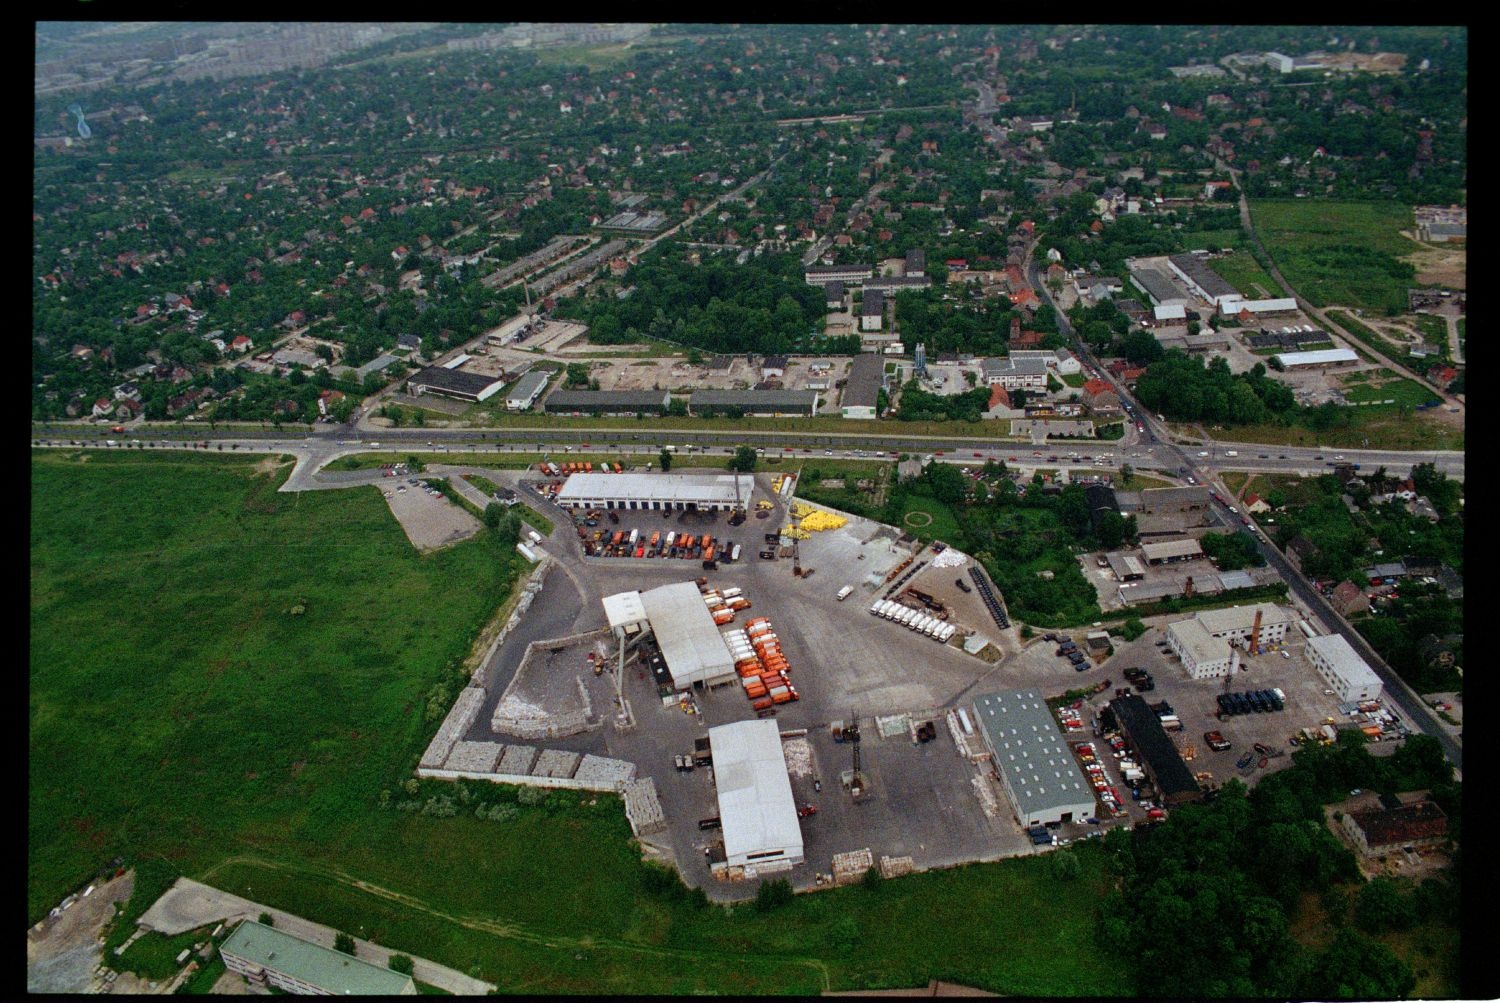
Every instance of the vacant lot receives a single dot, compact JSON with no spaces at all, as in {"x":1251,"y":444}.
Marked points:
{"x":1242,"y":271}
{"x":1340,"y":252}
{"x":171,"y":671}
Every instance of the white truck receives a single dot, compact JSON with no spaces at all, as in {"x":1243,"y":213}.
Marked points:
{"x":845,"y":592}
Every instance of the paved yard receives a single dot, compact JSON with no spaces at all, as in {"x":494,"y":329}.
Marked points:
{"x":429,"y":522}
{"x":62,"y":955}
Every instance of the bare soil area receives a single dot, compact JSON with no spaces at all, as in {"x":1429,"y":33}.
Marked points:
{"x":62,"y":955}
{"x":429,"y":522}
{"x":1443,"y":265}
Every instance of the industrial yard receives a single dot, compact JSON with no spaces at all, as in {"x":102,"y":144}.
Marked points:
{"x":650,"y":638}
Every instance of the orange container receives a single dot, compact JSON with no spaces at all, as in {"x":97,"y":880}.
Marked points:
{"x":782,"y":698}
{"x":762,"y":703}
{"x":755,"y":692}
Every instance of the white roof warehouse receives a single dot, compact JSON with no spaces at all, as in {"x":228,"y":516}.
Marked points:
{"x":692,"y":646}
{"x":677,"y":492}
{"x":759,"y":815}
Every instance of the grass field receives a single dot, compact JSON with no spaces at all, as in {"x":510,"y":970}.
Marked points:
{"x":169,"y":673}
{"x":1339,"y":252}
{"x":182,"y":715}
{"x":1403,"y":391}
{"x":1242,"y":271}
{"x":1075,"y":380}
{"x":1234,"y":480}
{"x":929,"y":519}
{"x":1434,"y":330}
{"x":1363,"y":333}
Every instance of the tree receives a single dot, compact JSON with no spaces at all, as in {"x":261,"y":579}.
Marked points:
{"x":401,"y":963}
{"x":666,"y":461}
{"x":266,"y":919}
{"x":413,"y":464}
{"x":508,"y":530}
{"x":1132,"y":628}
{"x":1356,"y":967}
{"x":773,"y":893}
{"x":493,"y":513}
{"x":743,"y":460}
{"x":1126,"y":473}
{"x":947,"y":482}
{"x":1381,"y":905}
{"x":343,"y":942}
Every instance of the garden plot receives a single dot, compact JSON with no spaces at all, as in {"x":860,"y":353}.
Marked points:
{"x":428,"y":521}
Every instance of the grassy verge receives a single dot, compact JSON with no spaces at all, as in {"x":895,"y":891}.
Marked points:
{"x":154,"y":955}
{"x":1235,"y":480}
{"x":1139,"y":482}
{"x":1364,"y":333}
{"x":1384,"y":428}
{"x":659,"y":429}
{"x":1075,"y":380}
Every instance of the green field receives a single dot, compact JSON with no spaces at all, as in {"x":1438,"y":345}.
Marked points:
{"x":1404,"y":392}
{"x":1075,"y":380}
{"x":1339,"y":252}
{"x":1365,"y":334}
{"x":168,"y":671}
{"x":1434,"y":330}
{"x":1242,"y":271}
{"x":1370,"y":428}
{"x":929,"y":519}
{"x":184,"y":714}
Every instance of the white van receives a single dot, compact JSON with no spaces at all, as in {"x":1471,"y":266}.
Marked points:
{"x":845,"y":592}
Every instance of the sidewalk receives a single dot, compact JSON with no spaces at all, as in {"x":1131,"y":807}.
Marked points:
{"x":189,"y":904}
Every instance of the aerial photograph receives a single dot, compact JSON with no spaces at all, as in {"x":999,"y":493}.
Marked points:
{"x":749,"y":509}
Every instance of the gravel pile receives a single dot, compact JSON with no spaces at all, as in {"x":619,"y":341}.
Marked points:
{"x":798,"y":757}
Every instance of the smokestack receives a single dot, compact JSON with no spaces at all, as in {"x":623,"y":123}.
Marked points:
{"x":1255,"y":634}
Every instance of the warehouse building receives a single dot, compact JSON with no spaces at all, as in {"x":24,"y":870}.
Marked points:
{"x":690,"y":643}
{"x":756,"y":807}
{"x":754,"y":402}
{"x":657,"y":492}
{"x":1156,"y":285}
{"x":623,"y":402}
{"x":1322,"y":357}
{"x":454,"y":383}
{"x":862,"y":391}
{"x":1202,"y":280}
{"x":1040,"y":776}
{"x":527,"y":389}
{"x":1172,"y":551}
{"x":1159,"y":758}
{"x":1349,"y":676}
{"x":1258,"y":308}
{"x":273,"y":958}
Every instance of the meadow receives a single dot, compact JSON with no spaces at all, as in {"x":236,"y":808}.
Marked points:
{"x":1345,"y":253}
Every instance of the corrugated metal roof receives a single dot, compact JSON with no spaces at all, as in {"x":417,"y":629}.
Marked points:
{"x":700,"y":489}
{"x":685,"y":631}
{"x":756,"y":806}
{"x":1040,"y":772}
{"x":1171,"y":548}
{"x":1320,"y":357}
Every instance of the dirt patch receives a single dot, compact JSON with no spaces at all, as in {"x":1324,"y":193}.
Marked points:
{"x":61,"y":956}
{"x":1439,"y":265}
{"x":269,"y":465}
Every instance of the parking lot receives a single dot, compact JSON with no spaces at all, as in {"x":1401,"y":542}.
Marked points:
{"x":429,"y":521}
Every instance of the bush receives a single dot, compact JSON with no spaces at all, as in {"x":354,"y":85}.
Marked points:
{"x":1065,"y":866}
{"x":266,"y":919}
{"x":400,"y":963}
{"x":773,"y":893}
{"x":872,"y":878}
{"x":1132,"y":629}
{"x":343,"y":942}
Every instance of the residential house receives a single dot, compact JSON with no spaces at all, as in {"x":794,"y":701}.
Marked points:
{"x":1300,"y":550}
{"x":103,"y":407}
{"x":1348,"y":598}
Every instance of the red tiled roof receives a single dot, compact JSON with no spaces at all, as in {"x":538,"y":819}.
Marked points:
{"x":1093,"y":387}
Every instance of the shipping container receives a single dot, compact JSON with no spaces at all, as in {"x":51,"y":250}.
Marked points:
{"x":757,"y":691}
{"x":785,"y":697}
{"x":762,"y":703}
